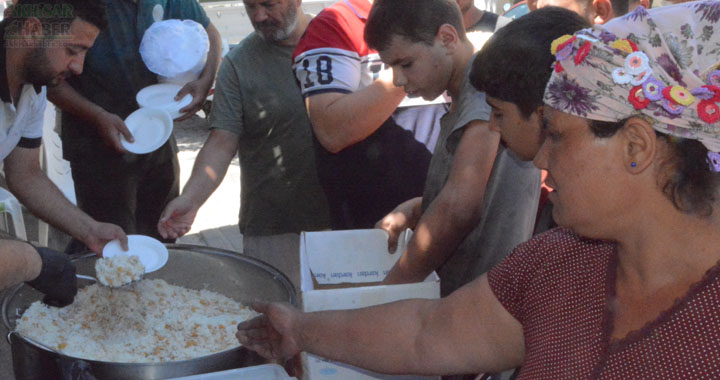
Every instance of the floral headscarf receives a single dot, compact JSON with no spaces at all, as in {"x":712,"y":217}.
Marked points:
{"x":663,"y":64}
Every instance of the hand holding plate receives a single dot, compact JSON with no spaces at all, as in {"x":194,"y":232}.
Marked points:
{"x":99,"y":234}
{"x":112,"y":129}
{"x":199,"y":89}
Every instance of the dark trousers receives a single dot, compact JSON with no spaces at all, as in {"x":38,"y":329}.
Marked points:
{"x":365,"y":181}
{"x":130,"y":192}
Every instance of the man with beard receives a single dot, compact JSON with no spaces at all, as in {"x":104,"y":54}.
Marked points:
{"x":259,"y":113}
{"x":111,"y":184}
{"x":44,"y":41}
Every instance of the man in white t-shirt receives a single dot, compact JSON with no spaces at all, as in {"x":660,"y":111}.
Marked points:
{"x":44,"y":41}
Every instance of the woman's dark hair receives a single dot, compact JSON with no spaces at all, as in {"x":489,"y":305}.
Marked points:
{"x":692,"y":185}
{"x":515,"y":63}
{"x":415,"y":20}
{"x":62,"y":11}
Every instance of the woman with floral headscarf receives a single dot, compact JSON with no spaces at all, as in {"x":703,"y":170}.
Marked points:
{"x":629,"y":287}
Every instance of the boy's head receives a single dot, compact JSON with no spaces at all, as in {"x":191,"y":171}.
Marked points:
{"x":417,"y":38}
{"x":414,"y":20}
{"x":513,"y":69}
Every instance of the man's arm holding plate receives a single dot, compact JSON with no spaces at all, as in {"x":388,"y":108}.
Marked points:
{"x":35,"y":190}
{"x":109,"y":125}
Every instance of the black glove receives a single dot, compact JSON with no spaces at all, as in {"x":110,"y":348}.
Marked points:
{"x":57,"y":278}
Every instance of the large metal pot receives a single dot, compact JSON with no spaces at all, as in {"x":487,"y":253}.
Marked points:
{"x":236,"y":276}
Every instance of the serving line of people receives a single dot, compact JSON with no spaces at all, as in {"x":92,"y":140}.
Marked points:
{"x":145,"y":179}
{"x":627,"y":134}
{"x":463,"y":234}
{"x":349,"y":153}
{"x":628,"y":286}
{"x":132,"y":186}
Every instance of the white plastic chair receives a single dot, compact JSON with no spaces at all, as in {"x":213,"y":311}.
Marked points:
{"x":54,"y":166}
{"x":10,"y":205}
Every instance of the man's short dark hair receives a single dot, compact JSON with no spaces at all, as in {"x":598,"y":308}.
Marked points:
{"x":56,"y":11}
{"x":415,"y":20}
{"x":515,"y":63}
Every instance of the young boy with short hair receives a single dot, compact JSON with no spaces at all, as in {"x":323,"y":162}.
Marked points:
{"x":512,"y":69}
{"x":479,"y":201}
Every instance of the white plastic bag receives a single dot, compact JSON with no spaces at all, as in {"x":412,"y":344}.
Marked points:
{"x":176,"y":50}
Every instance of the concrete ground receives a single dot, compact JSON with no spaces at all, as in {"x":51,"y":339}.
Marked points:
{"x":215,"y":224}
{"x":223,"y":206}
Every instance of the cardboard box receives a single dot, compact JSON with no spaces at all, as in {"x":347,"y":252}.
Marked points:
{"x":342,"y":270}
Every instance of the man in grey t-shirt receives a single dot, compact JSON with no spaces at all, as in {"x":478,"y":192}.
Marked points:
{"x":258,"y":112}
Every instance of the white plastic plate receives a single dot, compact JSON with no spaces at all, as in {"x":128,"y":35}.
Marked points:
{"x":150,"y":127}
{"x":152,"y":253}
{"x":162,"y":96}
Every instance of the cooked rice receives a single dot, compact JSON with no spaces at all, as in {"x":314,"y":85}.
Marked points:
{"x":149,"y":321}
{"x":119,"y":270}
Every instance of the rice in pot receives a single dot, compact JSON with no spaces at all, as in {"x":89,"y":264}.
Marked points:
{"x":149,"y":321}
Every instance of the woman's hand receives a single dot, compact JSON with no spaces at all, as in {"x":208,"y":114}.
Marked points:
{"x":274,"y":334}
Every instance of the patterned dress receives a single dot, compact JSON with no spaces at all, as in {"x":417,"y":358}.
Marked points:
{"x":559,"y":286}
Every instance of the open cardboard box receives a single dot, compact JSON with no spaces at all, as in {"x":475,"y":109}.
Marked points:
{"x":343,"y":270}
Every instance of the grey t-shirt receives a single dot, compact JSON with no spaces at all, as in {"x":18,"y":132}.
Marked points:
{"x":511,"y":196}
{"x":257,"y":98}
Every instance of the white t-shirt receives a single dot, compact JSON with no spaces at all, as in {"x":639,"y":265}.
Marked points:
{"x":22,"y":125}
